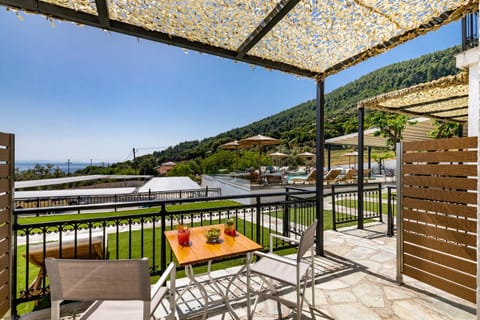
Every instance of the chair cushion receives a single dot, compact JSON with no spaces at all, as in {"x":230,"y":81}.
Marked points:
{"x":109,"y":309}
{"x":282,"y":272}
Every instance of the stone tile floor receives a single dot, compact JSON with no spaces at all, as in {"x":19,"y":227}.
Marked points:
{"x":355,"y":281}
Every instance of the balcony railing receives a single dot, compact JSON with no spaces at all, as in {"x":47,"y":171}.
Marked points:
{"x":60,"y":201}
{"x":134,"y":234}
{"x":344,"y":202}
{"x":100,"y":232}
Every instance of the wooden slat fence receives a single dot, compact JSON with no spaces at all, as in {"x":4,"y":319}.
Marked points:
{"x":6,"y":201}
{"x":439,"y":214}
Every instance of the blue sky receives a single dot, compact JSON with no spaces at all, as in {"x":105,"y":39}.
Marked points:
{"x":79,"y":93}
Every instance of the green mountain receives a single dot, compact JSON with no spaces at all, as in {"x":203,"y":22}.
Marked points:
{"x":296,"y":126}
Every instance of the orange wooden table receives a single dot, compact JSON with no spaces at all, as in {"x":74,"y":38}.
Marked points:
{"x":200,"y":251}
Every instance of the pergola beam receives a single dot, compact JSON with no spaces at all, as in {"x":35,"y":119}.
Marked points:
{"x":102,"y":9}
{"x":63,"y":13}
{"x":426,"y":103}
{"x":421,"y":114}
{"x":274,"y":17}
{"x":433,"y":112}
{"x":282,"y":62}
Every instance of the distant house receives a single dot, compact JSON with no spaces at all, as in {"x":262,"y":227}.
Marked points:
{"x":165,"y":167}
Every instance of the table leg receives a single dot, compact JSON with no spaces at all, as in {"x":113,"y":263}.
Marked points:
{"x":225,"y":296}
{"x":246,"y":267}
{"x":191,"y":276}
{"x":247,"y":264}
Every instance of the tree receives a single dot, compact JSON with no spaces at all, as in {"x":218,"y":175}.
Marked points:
{"x":390,"y":125}
{"x":222,"y":159}
{"x":182,"y":169}
{"x":146,"y":165}
{"x":444,"y":129}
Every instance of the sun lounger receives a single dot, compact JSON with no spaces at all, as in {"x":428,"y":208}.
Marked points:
{"x":274,"y":178}
{"x":310,"y":178}
{"x":331,"y":176}
{"x":349,"y":177}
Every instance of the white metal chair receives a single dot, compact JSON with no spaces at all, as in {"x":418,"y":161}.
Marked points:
{"x":292,"y":272}
{"x":111,"y":284}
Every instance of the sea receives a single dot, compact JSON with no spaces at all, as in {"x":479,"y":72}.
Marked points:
{"x":64,"y":166}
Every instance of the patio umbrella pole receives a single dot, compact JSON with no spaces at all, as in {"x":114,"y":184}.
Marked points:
{"x":259,"y":163}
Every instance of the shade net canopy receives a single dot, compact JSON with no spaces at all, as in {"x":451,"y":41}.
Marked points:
{"x":308,"y":38}
{"x":443,"y":99}
{"x":418,"y":130}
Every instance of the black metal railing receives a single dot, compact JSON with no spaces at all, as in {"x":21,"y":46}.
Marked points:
{"x":391,"y":205}
{"x":127,"y":235}
{"x":344,"y":203}
{"x":470,"y":31}
{"x":122,"y":236}
{"x":60,"y":201}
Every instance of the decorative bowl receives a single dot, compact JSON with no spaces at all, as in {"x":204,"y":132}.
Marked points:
{"x":212,"y":235}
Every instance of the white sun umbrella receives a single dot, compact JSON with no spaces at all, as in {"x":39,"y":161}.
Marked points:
{"x":278,"y":155}
{"x":353,"y":154}
{"x":233,"y":145}
{"x":306,"y":155}
{"x":259,"y":141}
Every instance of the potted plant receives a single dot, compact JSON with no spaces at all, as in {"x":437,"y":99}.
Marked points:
{"x":230,"y":228}
{"x":183,"y":235}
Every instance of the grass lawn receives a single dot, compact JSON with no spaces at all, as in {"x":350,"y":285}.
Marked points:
{"x":385,"y":195}
{"x":366,"y":205}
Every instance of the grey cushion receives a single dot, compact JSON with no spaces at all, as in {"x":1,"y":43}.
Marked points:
{"x":279,"y":271}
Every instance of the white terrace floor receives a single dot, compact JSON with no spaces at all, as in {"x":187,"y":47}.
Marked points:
{"x":356,"y":281}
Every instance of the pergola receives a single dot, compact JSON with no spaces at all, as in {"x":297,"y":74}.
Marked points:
{"x":419,"y":129}
{"x":307,"y":38}
{"x":443,"y":99}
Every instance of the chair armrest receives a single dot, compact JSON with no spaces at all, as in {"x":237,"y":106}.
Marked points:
{"x":276,"y":258}
{"x":161,"y":282}
{"x":158,"y":290}
{"x":287,"y":239}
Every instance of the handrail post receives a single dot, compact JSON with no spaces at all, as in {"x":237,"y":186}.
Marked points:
{"x":380,"y":202}
{"x":286,"y":216}
{"x":334,"y":213}
{"x":390,"y":212}
{"x":258,"y":220}
{"x":163,"y":246}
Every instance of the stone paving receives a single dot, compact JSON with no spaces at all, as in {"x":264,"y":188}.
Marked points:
{"x":356,"y":280}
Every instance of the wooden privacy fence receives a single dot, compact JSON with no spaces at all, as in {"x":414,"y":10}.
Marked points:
{"x":439,"y":216}
{"x":6,"y":200}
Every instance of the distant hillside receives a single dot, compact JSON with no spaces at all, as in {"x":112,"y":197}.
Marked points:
{"x":296,"y":126}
